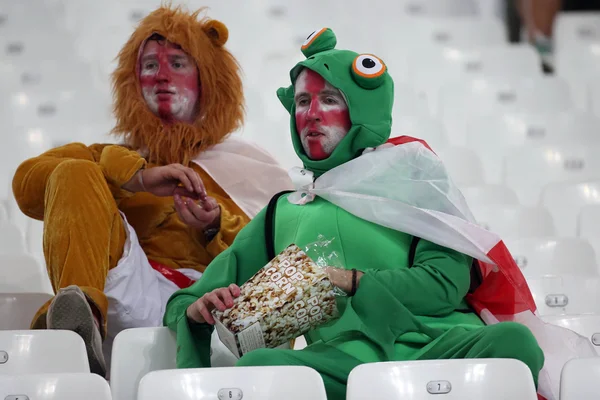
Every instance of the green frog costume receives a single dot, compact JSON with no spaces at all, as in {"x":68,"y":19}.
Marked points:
{"x":401,"y":310}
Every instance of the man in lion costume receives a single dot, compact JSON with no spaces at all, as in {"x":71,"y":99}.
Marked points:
{"x":127,"y":225}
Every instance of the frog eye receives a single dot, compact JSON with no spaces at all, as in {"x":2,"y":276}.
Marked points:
{"x":322,"y":40}
{"x":312,"y":37}
{"x":368,"y":71}
{"x":368,"y":66}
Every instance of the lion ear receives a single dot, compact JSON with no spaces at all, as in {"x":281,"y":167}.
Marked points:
{"x":217,"y":32}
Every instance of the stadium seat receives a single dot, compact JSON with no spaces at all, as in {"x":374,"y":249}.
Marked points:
{"x":565,"y":201}
{"x":265,"y":383}
{"x":579,"y":378}
{"x":22,"y":274}
{"x":11,"y":239}
{"x":588,"y":226}
{"x":495,"y":136}
{"x":515,"y":221}
{"x":461,"y":100}
{"x":428,"y":70}
{"x":408,"y":102}
{"x":594,"y":97}
{"x":136,"y":352}
{"x":3,"y":212}
{"x":489,"y":195}
{"x":565,"y":295}
{"x":68,"y":386}
{"x":422,"y":127}
{"x":585,"y":325}
{"x":42,"y":351}
{"x":539,"y":257}
{"x":463,"y":165}
{"x":575,"y":47}
{"x":528,"y":170}
{"x":451,"y":379}
{"x":17,"y":309}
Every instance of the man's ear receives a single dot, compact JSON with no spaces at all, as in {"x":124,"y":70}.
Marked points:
{"x":217,"y":32}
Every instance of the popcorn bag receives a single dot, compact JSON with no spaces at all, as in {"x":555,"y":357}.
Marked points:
{"x":285,"y":299}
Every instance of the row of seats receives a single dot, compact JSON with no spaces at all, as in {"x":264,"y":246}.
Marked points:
{"x":144,"y":362}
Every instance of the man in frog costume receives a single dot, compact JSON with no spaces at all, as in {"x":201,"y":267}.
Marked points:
{"x":401,"y":306}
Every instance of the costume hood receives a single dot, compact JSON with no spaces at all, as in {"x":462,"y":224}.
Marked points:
{"x":368,"y":88}
{"x":221,"y":98}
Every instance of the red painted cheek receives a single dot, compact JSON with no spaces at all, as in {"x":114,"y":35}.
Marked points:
{"x":336,"y":118}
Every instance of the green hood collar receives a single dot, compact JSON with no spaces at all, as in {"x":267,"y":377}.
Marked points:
{"x":367,"y":86}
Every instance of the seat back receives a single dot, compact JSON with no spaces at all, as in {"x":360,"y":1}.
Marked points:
{"x":515,"y":221}
{"x":65,"y":386}
{"x":451,"y":379}
{"x":578,"y":379}
{"x":565,"y":295}
{"x":42,"y":351}
{"x":18,"y":309}
{"x":139,"y":351}
{"x":264,"y":383}
{"x":538,"y":257}
{"x":23,"y":274}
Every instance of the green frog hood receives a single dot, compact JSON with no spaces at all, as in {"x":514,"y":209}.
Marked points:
{"x":367,"y":86}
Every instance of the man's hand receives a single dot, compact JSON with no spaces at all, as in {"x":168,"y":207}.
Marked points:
{"x":168,"y":180}
{"x":342,"y":278}
{"x":203,"y":215}
{"x":221,"y":299}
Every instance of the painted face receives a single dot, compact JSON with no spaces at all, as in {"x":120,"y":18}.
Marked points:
{"x":322,"y":116}
{"x":169,"y":81}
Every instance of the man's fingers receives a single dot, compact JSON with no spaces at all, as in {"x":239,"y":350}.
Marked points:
{"x":181,"y":191}
{"x":182,"y":210}
{"x":185,"y":180}
{"x":206,"y":314}
{"x":196,"y":181}
{"x":226,"y":297}
{"x":209,"y":203}
{"x":234,"y":290}
{"x":216,"y":301}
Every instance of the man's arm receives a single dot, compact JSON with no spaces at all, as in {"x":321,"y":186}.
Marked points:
{"x":246,"y":255}
{"x":29,"y":183}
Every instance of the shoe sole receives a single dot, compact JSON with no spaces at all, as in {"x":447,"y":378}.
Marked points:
{"x":70,"y":311}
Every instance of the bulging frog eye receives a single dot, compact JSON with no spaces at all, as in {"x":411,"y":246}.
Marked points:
{"x":368,"y":70}
{"x":321,"y":40}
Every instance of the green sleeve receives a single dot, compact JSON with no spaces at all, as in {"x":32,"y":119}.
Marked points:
{"x":246,"y":255}
{"x":435,"y":285}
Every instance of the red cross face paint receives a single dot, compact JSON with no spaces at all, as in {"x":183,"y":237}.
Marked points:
{"x":169,"y":81}
{"x":322,"y":116}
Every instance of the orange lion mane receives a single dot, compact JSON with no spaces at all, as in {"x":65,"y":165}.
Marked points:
{"x":221,"y":103}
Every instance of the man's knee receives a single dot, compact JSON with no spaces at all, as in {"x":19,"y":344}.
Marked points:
{"x":514,"y":340}
{"x":264,"y":357}
{"x":85,"y":175}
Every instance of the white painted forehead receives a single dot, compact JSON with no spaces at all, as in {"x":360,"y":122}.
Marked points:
{"x":301,"y":84}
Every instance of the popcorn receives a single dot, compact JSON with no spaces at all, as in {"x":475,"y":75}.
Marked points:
{"x":285,"y":299}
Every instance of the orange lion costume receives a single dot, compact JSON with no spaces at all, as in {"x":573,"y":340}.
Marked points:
{"x":113,"y":256}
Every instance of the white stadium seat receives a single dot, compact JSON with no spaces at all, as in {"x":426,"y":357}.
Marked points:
{"x":515,"y":221}
{"x":73,"y":386}
{"x":565,"y":201}
{"x":422,"y":127}
{"x":495,"y":136}
{"x":579,"y":379}
{"x":489,"y":195}
{"x":11,"y":239}
{"x":18,"y":309}
{"x":448,"y":379}
{"x":539,"y":257}
{"x":3,"y":212}
{"x":136,"y":352}
{"x":22,"y":273}
{"x":588,"y":226}
{"x":42,"y":351}
{"x":463,"y":165}
{"x":585,"y":325}
{"x":460,"y":101}
{"x":594,"y":97}
{"x":265,"y":383}
{"x":528,"y":170}
{"x":428,"y":70}
{"x":565,"y":295}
